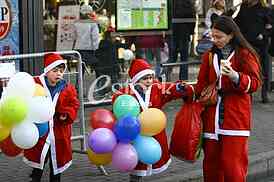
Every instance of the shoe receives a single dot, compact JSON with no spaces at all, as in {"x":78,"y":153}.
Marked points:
{"x":265,"y":100}
{"x":134,"y":178}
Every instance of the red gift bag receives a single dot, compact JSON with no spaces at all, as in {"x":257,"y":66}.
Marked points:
{"x":186,"y":139}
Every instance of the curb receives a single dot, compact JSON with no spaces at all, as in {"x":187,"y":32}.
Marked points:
{"x":260,"y":166}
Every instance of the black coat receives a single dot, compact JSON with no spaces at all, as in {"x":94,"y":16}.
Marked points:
{"x":252,"y":21}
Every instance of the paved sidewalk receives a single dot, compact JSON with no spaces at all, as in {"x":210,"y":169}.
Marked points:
{"x":261,"y":156}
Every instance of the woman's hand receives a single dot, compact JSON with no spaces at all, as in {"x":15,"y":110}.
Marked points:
{"x":63,"y":117}
{"x":227,"y":70}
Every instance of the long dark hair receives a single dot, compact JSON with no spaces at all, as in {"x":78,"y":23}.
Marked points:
{"x":228,"y":26}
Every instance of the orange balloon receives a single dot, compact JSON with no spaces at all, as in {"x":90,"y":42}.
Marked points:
{"x":152,"y":121}
{"x":4,"y":132}
{"x":99,"y":159}
{"x":39,"y":90}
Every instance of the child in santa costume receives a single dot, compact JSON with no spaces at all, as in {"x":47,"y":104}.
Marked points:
{"x":150,"y":93}
{"x":55,"y":146}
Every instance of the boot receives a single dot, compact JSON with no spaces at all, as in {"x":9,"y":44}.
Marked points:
{"x":134,"y":178}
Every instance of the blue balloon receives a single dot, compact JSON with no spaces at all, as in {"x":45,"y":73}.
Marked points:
{"x":127,"y":128}
{"x":43,"y":128}
{"x":148,"y":149}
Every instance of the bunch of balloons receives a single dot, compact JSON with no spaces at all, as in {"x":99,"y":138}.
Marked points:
{"x":24,"y":114}
{"x":124,"y":137}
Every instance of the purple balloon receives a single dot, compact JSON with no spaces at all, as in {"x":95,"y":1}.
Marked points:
{"x":102,"y":140}
{"x":124,"y":157}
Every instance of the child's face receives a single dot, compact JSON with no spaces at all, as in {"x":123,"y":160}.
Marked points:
{"x":55,"y":75}
{"x":146,"y":80}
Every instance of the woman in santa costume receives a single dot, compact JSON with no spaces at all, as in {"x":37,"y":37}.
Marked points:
{"x":150,"y":93}
{"x":55,"y":146}
{"x":235,"y":65}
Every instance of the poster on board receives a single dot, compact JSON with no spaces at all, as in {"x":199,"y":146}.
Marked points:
{"x":9,"y":31}
{"x":66,"y":29}
{"x":142,"y":15}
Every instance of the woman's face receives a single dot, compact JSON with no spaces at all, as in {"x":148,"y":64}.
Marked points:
{"x":220,"y":39}
{"x":220,"y":4}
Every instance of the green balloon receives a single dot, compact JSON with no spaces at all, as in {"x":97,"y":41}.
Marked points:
{"x":13,"y":110}
{"x":126,"y":105}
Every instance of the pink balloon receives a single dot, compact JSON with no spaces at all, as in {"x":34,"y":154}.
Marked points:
{"x":124,"y":157}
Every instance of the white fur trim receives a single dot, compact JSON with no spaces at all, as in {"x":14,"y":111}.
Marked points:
{"x":54,"y":64}
{"x":211,"y":136}
{"x":62,"y":169}
{"x":150,"y":172}
{"x":141,"y":74}
{"x":234,"y":132}
{"x":42,"y":158}
{"x":248,"y":85}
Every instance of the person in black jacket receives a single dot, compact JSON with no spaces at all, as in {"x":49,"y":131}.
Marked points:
{"x":182,"y":33}
{"x":106,"y":65}
{"x":254,"y":20}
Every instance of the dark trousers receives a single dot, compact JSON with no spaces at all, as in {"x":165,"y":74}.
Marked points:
{"x":266,"y":67}
{"x":180,"y":46}
{"x":36,"y":174}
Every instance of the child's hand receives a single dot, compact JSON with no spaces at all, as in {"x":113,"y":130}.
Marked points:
{"x":63,"y":117}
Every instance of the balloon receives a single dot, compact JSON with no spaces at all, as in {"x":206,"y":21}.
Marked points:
{"x":13,"y":110}
{"x":25,"y":135}
{"x":127,"y":128}
{"x":39,"y":90}
{"x":152,"y":121}
{"x":128,"y":55}
{"x":9,"y":148}
{"x":102,"y":118}
{"x":4,"y":133}
{"x":102,"y":140}
{"x":99,"y":159}
{"x":41,"y":109}
{"x":21,"y":84}
{"x":124,"y":157}
{"x":124,"y":105}
{"x":148,"y":149}
{"x":43,"y":128}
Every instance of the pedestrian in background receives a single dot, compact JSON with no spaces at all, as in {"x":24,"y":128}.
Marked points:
{"x":55,"y":146}
{"x":254,"y":20}
{"x":182,"y":32}
{"x":150,"y":93}
{"x":217,"y":8}
{"x":234,"y":65}
{"x":87,"y":36}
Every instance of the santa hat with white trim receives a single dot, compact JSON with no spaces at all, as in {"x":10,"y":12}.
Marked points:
{"x":51,"y":60}
{"x":138,"y":69}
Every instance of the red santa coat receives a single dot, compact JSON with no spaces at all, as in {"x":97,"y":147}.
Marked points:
{"x":58,"y":139}
{"x":156,"y":96}
{"x":236,"y":99}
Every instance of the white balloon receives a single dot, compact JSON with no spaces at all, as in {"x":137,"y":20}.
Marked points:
{"x":21,"y":84}
{"x":128,"y":55}
{"x":25,"y":135}
{"x":40,"y":109}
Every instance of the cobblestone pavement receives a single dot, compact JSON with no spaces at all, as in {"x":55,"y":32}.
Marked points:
{"x":262,"y":140}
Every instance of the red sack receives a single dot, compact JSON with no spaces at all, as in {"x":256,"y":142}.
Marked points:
{"x":187,"y":132}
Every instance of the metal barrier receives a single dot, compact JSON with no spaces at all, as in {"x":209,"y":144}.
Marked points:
{"x":167,"y":67}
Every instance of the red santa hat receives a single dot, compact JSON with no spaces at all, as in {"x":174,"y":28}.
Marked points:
{"x":138,"y":69}
{"x":51,"y":60}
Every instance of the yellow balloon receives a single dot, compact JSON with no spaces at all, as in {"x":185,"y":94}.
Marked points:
{"x":39,"y":90}
{"x":152,"y":121}
{"x":4,"y":133}
{"x":99,"y":159}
